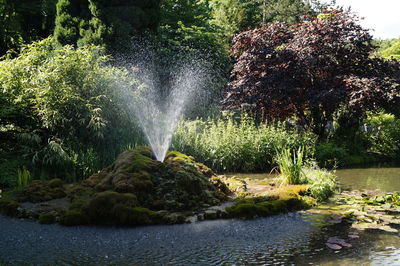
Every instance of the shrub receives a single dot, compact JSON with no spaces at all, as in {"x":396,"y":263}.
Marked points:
{"x":322,"y":183}
{"x":66,"y":108}
{"x":330,"y":154}
{"x":384,"y":134}
{"x":8,"y":170}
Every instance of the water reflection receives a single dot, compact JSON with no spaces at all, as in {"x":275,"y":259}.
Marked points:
{"x":385,"y":179}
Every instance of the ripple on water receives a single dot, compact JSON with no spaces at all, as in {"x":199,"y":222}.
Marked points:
{"x":294,"y":238}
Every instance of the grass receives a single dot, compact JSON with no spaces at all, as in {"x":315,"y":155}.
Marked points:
{"x":291,"y":166}
{"x":23,"y":177}
{"x":238,"y":145}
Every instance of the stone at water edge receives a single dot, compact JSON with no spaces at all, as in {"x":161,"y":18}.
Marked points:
{"x":338,"y":241}
{"x":353,"y":236}
{"x":333,"y":246}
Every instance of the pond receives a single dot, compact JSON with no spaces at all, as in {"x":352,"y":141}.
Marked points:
{"x":386,"y":179}
{"x":293,"y":238}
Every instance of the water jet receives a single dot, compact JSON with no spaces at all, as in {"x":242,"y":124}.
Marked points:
{"x":158,"y":114}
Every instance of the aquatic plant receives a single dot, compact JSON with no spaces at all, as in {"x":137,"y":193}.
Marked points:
{"x":290,"y":166}
{"x":23,"y":177}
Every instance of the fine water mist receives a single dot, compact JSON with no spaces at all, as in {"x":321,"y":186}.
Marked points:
{"x":159,"y":107}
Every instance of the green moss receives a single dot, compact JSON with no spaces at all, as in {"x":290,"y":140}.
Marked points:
{"x":80,"y":191}
{"x":74,"y":217}
{"x":93,"y":180}
{"x":56,"y":183}
{"x":175,"y":218}
{"x":247,"y":210}
{"x":261,"y":206}
{"x":133,"y":183}
{"x":145,"y":151}
{"x":47,"y":218}
{"x":39,"y":191}
{"x":136,"y":185}
{"x":9,"y":207}
{"x":78,"y":204}
{"x":102,"y":209}
{"x":10,"y":194}
{"x":140,"y":159}
{"x":177,"y":156}
{"x":136,"y":216}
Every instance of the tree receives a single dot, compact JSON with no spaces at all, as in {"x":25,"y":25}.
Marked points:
{"x":290,"y":11}
{"x":310,"y":70}
{"x":189,"y":13}
{"x":24,"y":21}
{"x":392,"y":52}
{"x":233,"y":16}
{"x":111,"y":23}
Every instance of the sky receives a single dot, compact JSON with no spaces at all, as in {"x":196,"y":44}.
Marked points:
{"x":383,"y":16}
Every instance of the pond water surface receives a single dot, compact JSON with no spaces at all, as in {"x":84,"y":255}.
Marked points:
{"x":287,"y":239}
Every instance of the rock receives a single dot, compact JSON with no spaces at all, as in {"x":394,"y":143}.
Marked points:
{"x":223,"y":214}
{"x":210,"y":214}
{"x":200,"y":217}
{"x":353,"y":235}
{"x":368,"y":226}
{"x":338,"y":241}
{"x":333,"y":246}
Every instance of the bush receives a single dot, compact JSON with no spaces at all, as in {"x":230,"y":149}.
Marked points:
{"x":67,"y":110}
{"x":330,"y":154}
{"x":238,"y":146}
{"x":8,"y":170}
{"x":384,"y":134}
{"x":322,"y":183}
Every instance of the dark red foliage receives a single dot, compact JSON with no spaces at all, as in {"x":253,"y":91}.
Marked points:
{"x":310,"y":70}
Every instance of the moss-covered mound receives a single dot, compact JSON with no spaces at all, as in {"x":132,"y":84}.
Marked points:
{"x":40,"y":190}
{"x":289,"y":198}
{"x":135,"y":190}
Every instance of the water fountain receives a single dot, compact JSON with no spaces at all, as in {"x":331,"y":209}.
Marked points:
{"x":158,"y":115}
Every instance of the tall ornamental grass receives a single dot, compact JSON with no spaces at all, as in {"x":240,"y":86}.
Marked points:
{"x":227,"y":145}
{"x":291,"y":166}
